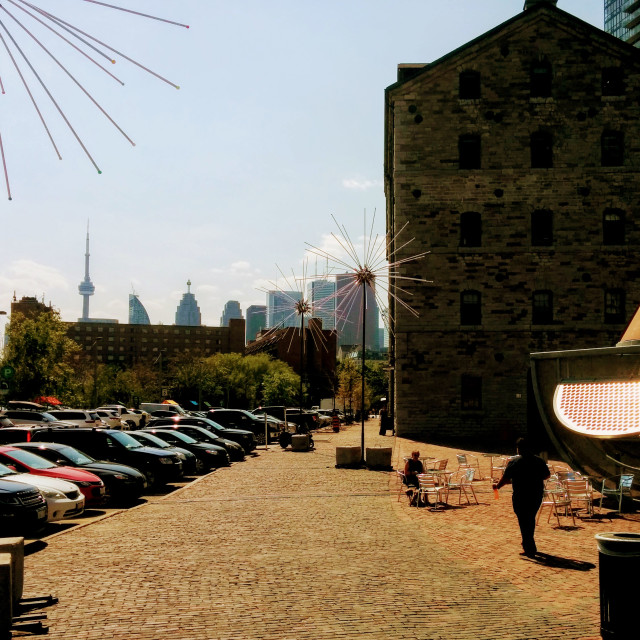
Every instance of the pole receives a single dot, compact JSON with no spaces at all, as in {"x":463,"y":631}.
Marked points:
{"x":364,"y":324}
{"x":301,"y":359}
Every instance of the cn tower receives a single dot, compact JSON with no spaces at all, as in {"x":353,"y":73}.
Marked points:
{"x":86,"y":288}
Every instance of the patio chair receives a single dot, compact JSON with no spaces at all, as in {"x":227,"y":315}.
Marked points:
{"x":555,"y":498}
{"x":623,"y":488}
{"x":428,"y":486}
{"x":462,"y":482}
{"x":579,"y":492}
{"x":498,"y":465}
{"x":436,"y":465}
{"x":567,"y":474}
{"x":400,"y":477}
{"x":468,"y":461}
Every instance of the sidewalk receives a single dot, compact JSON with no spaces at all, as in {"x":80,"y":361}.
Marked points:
{"x":285,"y":546}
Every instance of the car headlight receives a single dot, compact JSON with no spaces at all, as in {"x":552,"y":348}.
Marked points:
{"x":52,"y":493}
{"x":166,"y":460}
{"x":83,"y":484}
{"x":9,"y":500}
{"x":120,"y":476}
{"x":213,"y":452}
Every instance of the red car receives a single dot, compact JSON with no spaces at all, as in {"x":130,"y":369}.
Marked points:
{"x":26,"y":462}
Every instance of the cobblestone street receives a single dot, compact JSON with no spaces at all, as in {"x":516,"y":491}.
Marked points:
{"x":286,"y":546}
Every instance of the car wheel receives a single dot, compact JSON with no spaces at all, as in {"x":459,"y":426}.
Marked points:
{"x":130,"y":424}
{"x":200,"y":468}
{"x":260,"y":438}
{"x":151,"y":478}
{"x":284,"y":439}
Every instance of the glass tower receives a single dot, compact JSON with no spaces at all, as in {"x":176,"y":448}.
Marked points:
{"x":281,"y":309}
{"x":137,"y":313}
{"x":349,"y":314}
{"x":231,"y":310}
{"x":256,"y":321}
{"x":188,"y":312}
{"x":622,"y":20}
{"x":322,"y":295}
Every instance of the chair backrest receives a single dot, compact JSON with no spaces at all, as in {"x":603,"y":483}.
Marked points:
{"x":626,"y":480}
{"x":442,"y":465}
{"x":565,"y":475}
{"x":468,"y":476}
{"x":577,"y":487}
{"x":462,"y":459}
{"x":426,"y":480}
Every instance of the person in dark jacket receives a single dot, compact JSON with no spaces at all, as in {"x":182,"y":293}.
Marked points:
{"x":526,"y":473}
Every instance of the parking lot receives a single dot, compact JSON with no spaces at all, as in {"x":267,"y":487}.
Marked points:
{"x":286,"y":546}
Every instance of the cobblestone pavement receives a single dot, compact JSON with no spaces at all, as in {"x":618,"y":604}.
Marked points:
{"x":286,"y":546}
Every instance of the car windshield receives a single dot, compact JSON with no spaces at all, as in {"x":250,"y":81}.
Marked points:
{"x":126,"y":440}
{"x":77,"y":457}
{"x":154,"y":440}
{"x":204,"y":435}
{"x":211,"y":424}
{"x":47,"y":417}
{"x":5,"y":471}
{"x":30,"y":459}
{"x":183,"y":437}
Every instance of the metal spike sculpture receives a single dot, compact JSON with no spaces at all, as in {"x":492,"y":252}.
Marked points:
{"x":376,"y":271}
{"x":32,"y":21}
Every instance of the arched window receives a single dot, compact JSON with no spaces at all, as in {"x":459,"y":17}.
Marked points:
{"x":470,"y":229}
{"x":469,"y":151}
{"x":612,"y":149}
{"x":542,"y":228}
{"x":613,"y":226}
{"x":541,"y":150}
{"x":540,"y":82}
{"x":614,"y":306}
{"x":469,"y":85}
{"x":542,"y":307}
{"x":470,"y":307}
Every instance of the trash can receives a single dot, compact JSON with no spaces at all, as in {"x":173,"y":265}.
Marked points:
{"x":619,"y":560}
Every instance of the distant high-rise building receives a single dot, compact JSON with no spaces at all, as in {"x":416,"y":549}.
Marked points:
{"x":188,"y":312}
{"x":280,"y":309}
{"x":137,"y":313}
{"x":256,"y":321}
{"x":231,"y":310}
{"x":322,"y":295}
{"x":86,"y":288}
{"x":349,"y":314}
{"x":622,"y":19}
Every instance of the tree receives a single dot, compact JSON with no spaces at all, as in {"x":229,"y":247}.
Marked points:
{"x":40,"y":353}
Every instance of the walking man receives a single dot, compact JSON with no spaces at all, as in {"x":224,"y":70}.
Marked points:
{"x":527,"y":473}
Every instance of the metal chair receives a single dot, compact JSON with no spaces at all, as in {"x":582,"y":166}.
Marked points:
{"x":462,"y":482}
{"x":428,"y":486}
{"x":436,"y":465}
{"x":468,"y":461}
{"x":579,"y":492}
{"x":623,"y":488}
{"x":555,"y":497}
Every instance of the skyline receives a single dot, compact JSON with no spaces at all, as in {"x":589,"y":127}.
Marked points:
{"x":278,"y":125}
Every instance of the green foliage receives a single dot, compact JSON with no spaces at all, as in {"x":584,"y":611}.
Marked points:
{"x":376,"y":383}
{"x":40,"y":352}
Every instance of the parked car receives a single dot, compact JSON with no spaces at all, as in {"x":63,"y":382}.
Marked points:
{"x":127,"y":416}
{"x":23,"y":509}
{"x":159,"y":467}
{"x":28,"y":462}
{"x":150,"y":407}
{"x":189,"y":460}
{"x":26,"y":416}
{"x":289,"y":414}
{"x":110,"y":418}
{"x":64,"y":499}
{"x":183,"y":425}
{"x":244,"y":438}
{"x":210,"y":456}
{"x":79,"y":417}
{"x":122,"y":483}
{"x":240,"y":419}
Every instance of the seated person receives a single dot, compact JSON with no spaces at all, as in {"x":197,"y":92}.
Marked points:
{"x":412,"y":468}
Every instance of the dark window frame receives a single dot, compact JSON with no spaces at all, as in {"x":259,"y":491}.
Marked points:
{"x":470,"y":307}
{"x":542,"y":306}
{"x":469,"y":85}
{"x":469,"y":151}
{"x":541,"y":146}
{"x":470,"y":392}
{"x":470,"y":229}
{"x":614,"y":306}
{"x":542,"y":228}
{"x":613,"y":227}
{"x":541,"y":79}
{"x":612,"y":149}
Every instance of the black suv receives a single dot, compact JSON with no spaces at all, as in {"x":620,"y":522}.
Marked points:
{"x":157,"y":465}
{"x":240,"y":419}
{"x":22,"y":507}
{"x":306,"y":419}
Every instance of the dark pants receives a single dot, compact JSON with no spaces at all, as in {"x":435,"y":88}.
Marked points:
{"x":526,"y":509}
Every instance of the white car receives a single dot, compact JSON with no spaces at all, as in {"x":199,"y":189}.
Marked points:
{"x":63,"y":498}
{"x":79,"y":417}
{"x":109,"y":417}
{"x":127,"y":416}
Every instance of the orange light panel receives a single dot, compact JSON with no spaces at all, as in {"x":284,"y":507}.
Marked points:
{"x":599,"y":409}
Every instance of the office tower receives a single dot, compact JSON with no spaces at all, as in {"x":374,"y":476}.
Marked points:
{"x":281,"y":309}
{"x":349,"y":314}
{"x":322,"y":296}
{"x":622,"y":19}
{"x":256,"y":321}
{"x":137,"y":313}
{"x":188,"y":312}
{"x":231,"y":310}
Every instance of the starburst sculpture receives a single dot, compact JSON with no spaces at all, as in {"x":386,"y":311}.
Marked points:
{"x":23,"y":23}
{"x":376,"y":272}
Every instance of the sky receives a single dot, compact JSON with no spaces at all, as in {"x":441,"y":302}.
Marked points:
{"x":276,"y":130}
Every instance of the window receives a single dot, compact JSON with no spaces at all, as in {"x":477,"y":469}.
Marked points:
{"x":470,"y":307}
{"x":469,"y":151}
{"x":612,"y":149}
{"x":613,"y":81}
{"x":542,"y":307}
{"x":613,"y":226}
{"x":471,"y":392}
{"x":470,"y":229}
{"x":541,"y":150}
{"x":540,"y":81}
{"x":542,"y":228}
{"x":614,"y":306}
{"x":469,"y":85}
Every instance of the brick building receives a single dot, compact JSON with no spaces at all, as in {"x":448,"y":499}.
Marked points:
{"x":129,"y":344}
{"x":515,"y":161}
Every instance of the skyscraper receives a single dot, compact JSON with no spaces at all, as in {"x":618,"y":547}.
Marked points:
{"x":137,"y":313}
{"x":349,"y":314}
{"x":256,"y":321}
{"x":622,"y":19}
{"x":188,"y":312}
{"x":322,"y":295}
{"x":231,"y":310}
{"x":280,"y":309}
{"x":86,"y":288}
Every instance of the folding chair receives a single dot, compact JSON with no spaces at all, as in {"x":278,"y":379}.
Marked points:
{"x":623,"y":488}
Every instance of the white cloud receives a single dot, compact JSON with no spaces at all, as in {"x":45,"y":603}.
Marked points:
{"x":360,"y":184}
{"x":30,"y":278}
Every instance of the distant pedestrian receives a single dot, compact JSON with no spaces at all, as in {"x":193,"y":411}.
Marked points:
{"x":526,"y":473}
{"x":384,"y":421}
